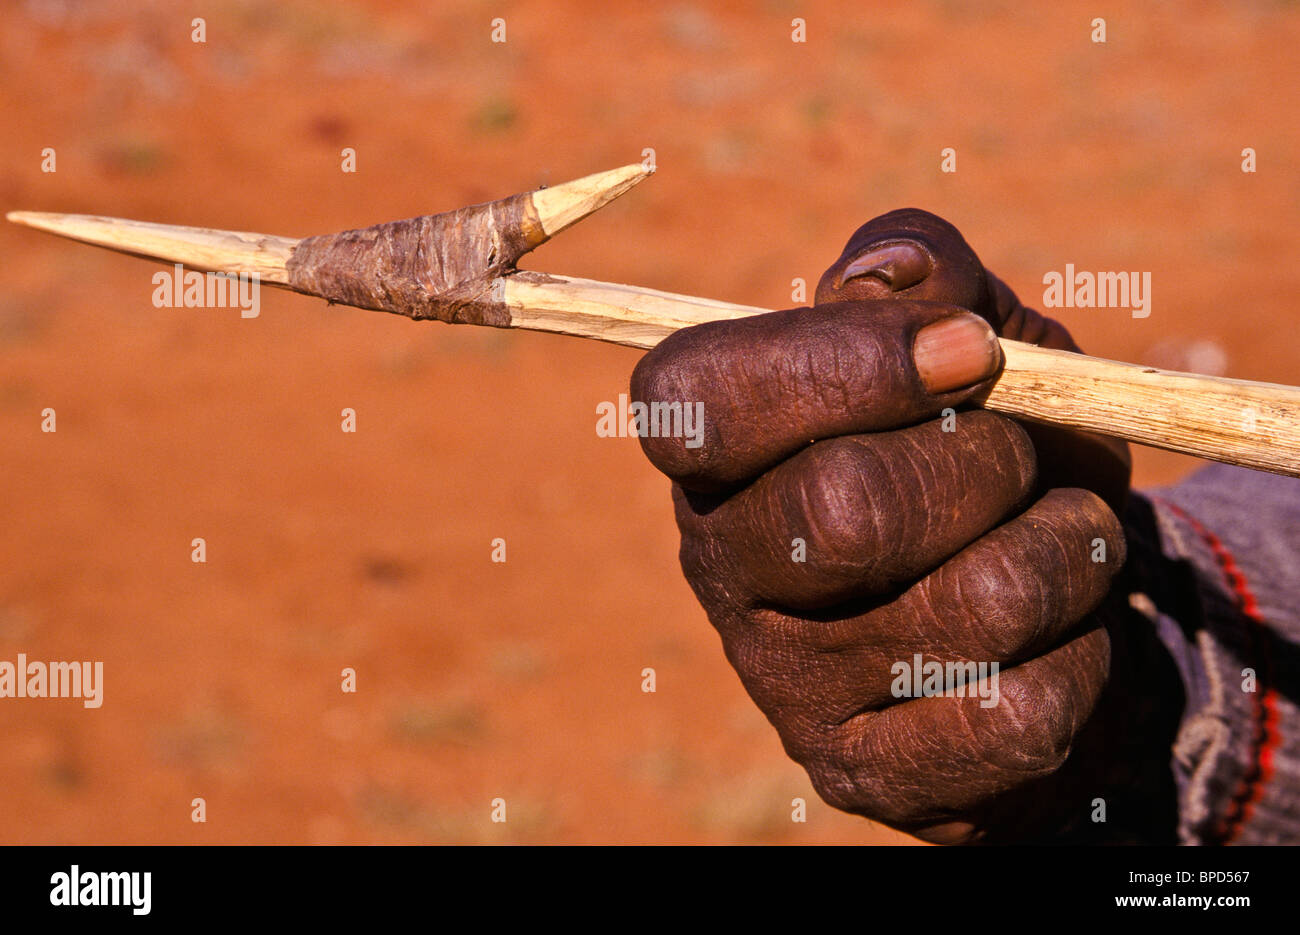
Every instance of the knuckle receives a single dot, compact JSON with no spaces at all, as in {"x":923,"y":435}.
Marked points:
{"x":1035,"y":576}
{"x":1094,"y":518}
{"x":1004,"y":447}
{"x":847,"y":776}
{"x":656,"y":374}
{"x":843,"y":498}
{"x":674,"y":363}
{"x":1031,"y":728}
{"x":842,"y":777}
{"x":861,"y":507}
{"x":678,"y":416}
{"x":837,"y":789}
{"x":1006,"y":607}
{"x":875,"y":506}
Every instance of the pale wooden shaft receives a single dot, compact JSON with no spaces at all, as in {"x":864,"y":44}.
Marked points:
{"x":1239,"y":422}
{"x":1236,"y":421}
{"x":587,"y":308}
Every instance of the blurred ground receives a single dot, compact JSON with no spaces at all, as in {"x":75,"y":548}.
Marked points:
{"x":371,"y":550}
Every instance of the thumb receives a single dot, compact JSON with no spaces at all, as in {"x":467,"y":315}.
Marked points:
{"x":912,"y":254}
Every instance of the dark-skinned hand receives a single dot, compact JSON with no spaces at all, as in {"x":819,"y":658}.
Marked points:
{"x":928,"y":527}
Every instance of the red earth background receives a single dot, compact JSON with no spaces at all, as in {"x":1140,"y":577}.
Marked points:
{"x":371,"y":550}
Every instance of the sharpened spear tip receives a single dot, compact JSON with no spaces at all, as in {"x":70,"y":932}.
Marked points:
{"x":563,"y":205}
{"x":200,"y":248}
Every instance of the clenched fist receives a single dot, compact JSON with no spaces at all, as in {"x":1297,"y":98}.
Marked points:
{"x":856,"y":531}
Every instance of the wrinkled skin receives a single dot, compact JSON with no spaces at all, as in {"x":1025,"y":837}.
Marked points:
{"x":976,"y":544}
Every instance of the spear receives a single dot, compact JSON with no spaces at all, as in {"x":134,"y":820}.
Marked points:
{"x":460,"y":267}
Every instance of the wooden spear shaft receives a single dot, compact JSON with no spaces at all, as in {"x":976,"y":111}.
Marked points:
{"x":1241,"y":422}
{"x":1234,"y":421}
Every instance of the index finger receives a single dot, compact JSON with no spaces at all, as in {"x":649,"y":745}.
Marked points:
{"x":771,"y":384}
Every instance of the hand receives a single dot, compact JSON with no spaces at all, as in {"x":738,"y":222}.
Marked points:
{"x":964,"y":538}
